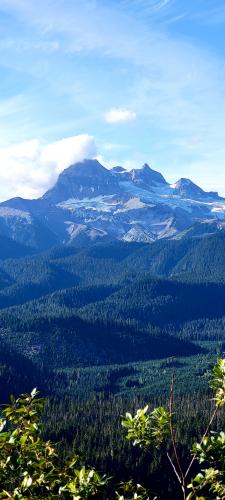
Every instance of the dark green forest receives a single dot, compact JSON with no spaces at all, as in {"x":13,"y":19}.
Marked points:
{"x":98,"y":330}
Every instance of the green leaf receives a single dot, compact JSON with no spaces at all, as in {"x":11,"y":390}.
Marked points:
{"x":26,"y":483}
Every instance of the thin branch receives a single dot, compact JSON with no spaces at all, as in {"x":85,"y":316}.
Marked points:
{"x":174,"y":468}
{"x":173,"y":439}
{"x":203,"y":437}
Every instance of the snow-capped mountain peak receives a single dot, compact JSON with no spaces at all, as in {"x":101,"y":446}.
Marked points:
{"x":187,"y":189}
{"x":130,"y":205}
{"x":146,"y":176}
{"x":118,"y":170}
{"x":84,"y":179}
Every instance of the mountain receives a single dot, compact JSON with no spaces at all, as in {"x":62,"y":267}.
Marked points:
{"x":86,"y":179}
{"x":10,"y":249}
{"x":187,"y":189}
{"x":145,"y":177}
{"x":21,"y":222}
{"x":100,"y":270}
{"x":90,"y":203}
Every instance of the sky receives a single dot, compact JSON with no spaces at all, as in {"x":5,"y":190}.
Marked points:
{"x":126,"y":81}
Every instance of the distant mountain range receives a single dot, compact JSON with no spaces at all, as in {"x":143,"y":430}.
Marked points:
{"x":90,"y":203}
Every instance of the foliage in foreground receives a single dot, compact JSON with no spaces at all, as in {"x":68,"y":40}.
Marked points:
{"x":30,"y":467}
{"x":153,"y":429}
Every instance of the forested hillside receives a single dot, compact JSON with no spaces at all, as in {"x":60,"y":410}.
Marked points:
{"x":99,"y":329}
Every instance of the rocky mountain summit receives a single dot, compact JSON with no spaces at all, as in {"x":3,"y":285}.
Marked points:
{"x":90,"y":203}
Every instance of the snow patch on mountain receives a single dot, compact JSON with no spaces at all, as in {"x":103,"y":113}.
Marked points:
{"x":13,"y":212}
{"x":138,"y":234}
{"x":99,"y":203}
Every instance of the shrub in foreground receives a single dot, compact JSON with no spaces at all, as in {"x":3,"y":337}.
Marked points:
{"x":30,"y":468}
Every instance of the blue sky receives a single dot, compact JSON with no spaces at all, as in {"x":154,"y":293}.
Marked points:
{"x":128,"y":81}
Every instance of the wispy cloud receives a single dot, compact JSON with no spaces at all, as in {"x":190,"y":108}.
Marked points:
{"x":150,"y":6}
{"x":119,"y":115}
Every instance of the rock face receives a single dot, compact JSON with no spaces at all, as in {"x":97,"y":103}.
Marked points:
{"x":145,"y":177}
{"x":91,"y":203}
{"x":187,"y":189}
{"x":84,"y":180}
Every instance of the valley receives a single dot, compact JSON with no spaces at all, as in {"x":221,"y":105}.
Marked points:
{"x":98,"y":322}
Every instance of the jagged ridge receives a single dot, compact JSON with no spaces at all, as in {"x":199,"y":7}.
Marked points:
{"x":90,"y":202}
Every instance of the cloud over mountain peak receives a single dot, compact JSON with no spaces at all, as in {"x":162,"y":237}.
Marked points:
{"x":28,"y":169}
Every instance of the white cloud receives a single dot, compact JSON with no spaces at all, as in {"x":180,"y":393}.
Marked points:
{"x":30,"y":168}
{"x":119,"y":115}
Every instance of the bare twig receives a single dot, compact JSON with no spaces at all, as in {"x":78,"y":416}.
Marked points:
{"x":174,"y":468}
{"x":203,"y":437}
{"x":178,"y":472}
{"x":172,"y":433}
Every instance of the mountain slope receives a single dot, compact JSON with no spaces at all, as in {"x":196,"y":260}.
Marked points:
{"x":10,"y":249}
{"x":187,"y":189}
{"x":68,"y":340}
{"x":118,"y":264}
{"x":107,"y":304}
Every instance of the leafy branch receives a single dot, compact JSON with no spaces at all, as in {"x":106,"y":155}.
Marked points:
{"x":153,"y":429}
